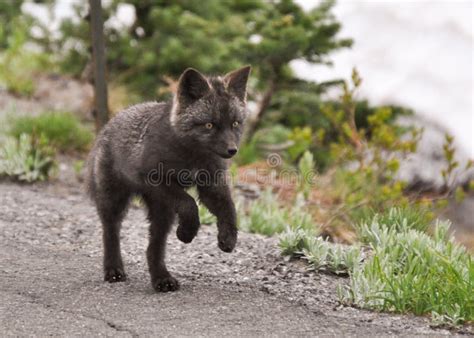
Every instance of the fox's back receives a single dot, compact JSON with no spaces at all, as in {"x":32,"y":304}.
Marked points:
{"x":120,"y":146}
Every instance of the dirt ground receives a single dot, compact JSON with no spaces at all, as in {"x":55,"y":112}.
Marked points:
{"x":51,"y":280}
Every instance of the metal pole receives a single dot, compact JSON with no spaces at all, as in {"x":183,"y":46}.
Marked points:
{"x":98,"y":57}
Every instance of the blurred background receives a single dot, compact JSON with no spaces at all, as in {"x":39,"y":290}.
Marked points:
{"x":374,"y":96}
{"x":414,"y":53}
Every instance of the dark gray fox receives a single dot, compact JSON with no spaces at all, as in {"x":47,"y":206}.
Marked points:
{"x":156,"y":150}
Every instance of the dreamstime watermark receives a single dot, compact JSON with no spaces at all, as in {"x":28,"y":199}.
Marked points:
{"x":274,"y":160}
{"x":272,"y":173}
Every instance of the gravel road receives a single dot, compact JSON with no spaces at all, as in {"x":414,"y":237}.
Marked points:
{"x":51,"y":280}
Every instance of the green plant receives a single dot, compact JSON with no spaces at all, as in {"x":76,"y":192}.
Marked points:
{"x":409,"y":271}
{"x":316,"y":252}
{"x":10,"y":11}
{"x":306,"y":168}
{"x":301,"y":139}
{"x":205,"y":216}
{"x":26,"y":159}
{"x":366,"y":161}
{"x":293,"y":240}
{"x":63,"y":130}
{"x":137,"y":202}
{"x":248,"y":152}
{"x":449,"y":174}
{"x":78,"y":167}
{"x":449,"y":152}
{"x":399,"y":219}
{"x":320,"y":254}
{"x":290,"y":144}
{"x":267,"y":216}
{"x":404,"y":270}
{"x":343,"y":259}
{"x":18,"y":63}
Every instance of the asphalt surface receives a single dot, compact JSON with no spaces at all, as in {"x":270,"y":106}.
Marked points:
{"x":51,"y":281}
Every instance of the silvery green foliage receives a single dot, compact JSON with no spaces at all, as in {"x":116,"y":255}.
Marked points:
{"x":396,"y":219}
{"x":412,"y":271}
{"x":267,"y":216}
{"x":294,"y":240}
{"x":453,"y":316}
{"x":21,"y":160}
{"x":406,"y":270}
{"x":320,"y":254}
{"x":343,"y":259}
{"x":317,"y":252}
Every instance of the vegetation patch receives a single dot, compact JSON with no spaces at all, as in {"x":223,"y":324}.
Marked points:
{"x":61,"y":129}
{"x":268,"y":216}
{"x":320,"y":254}
{"x":18,"y":64}
{"x":403,"y":270}
{"x":26,"y":159}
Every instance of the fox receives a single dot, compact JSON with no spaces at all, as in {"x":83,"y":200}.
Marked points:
{"x":157,"y":150}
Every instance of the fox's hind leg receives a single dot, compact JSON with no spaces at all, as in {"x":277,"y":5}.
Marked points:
{"x":112,"y":201}
{"x":161,"y":214}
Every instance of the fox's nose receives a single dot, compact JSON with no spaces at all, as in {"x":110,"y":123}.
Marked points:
{"x":232,"y":151}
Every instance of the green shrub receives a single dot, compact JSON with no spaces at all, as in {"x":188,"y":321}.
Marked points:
{"x":409,"y":271}
{"x":290,"y":144}
{"x":366,"y":160}
{"x":26,"y":159}
{"x":63,"y":130}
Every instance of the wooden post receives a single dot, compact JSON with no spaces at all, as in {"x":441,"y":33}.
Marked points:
{"x":101,"y":110}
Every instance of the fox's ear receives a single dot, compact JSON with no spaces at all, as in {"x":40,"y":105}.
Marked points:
{"x":192,"y":86}
{"x":236,"y":82}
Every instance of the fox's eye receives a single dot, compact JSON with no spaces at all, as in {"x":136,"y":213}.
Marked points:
{"x":235,"y":124}
{"x":209,"y":125}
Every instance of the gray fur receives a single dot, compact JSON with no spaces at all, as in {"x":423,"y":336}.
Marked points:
{"x":144,"y":150}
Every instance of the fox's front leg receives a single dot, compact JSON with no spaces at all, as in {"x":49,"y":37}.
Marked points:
{"x":188,"y":215}
{"x":217,"y":198}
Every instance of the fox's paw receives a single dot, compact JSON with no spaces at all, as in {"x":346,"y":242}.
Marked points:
{"x":165,"y":284}
{"x":226,"y":239}
{"x":113,"y":275}
{"x":186,"y":234}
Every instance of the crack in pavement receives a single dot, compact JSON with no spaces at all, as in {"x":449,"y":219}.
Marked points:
{"x":35,"y":299}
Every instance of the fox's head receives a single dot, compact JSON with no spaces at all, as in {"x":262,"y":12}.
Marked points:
{"x":210,"y":111}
